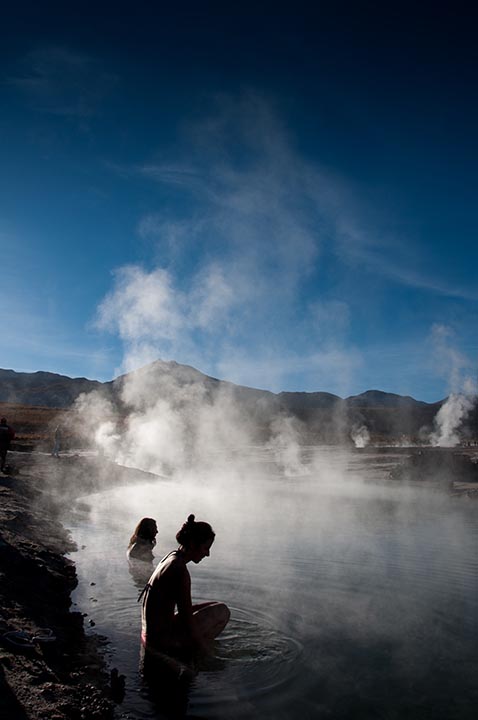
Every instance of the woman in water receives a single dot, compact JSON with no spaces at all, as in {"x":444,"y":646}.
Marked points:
{"x":143,"y":540}
{"x":170,"y":621}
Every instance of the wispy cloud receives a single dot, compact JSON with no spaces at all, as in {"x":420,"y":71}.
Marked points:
{"x":330,"y":370}
{"x":257,"y":197}
{"x":242,"y":279}
{"x":261,"y":217}
{"x":446,"y":360}
{"x":170,"y":175}
{"x":59,"y":81}
{"x":392,"y":258}
{"x":171,"y":239}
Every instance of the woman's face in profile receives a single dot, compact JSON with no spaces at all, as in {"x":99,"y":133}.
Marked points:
{"x":201,"y":551}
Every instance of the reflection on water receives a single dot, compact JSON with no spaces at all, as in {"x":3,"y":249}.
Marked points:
{"x":140,"y":572}
{"x":167,"y":684}
{"x":351,"y":597}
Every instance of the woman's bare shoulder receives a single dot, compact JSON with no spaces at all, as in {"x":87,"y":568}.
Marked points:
{"x":169,"y":576}
{"x":172,"y":564}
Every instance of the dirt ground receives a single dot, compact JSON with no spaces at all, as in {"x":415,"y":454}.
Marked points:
{"x":65,"y":677}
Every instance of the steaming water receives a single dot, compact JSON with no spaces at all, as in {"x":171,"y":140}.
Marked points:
{"x":351,"y":596}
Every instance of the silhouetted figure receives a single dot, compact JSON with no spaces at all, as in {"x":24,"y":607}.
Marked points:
{"x":7,"y":434}
{"x":173,"y":629}
{"x":170,"y":622}
{"x":57,"y":443}
{"x":143,"y":540}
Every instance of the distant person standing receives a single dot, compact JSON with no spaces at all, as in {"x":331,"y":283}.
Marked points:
{"x":57,"y":442}
{"x":7,"y":434}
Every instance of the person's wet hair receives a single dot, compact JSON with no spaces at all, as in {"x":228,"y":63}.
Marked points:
{"x":194,"y":533}
{"x":146,"y":529}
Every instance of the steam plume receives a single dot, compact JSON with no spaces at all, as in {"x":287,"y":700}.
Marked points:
{"x":361,"y":436}
{"x":449,"y":418}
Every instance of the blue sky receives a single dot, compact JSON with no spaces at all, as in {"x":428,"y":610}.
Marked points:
{"x":281,"y":195}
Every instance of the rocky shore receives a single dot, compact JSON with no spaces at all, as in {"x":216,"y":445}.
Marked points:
{"x":53,"y":670}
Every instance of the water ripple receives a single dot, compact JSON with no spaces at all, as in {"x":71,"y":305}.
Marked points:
{"x":252,"y":658}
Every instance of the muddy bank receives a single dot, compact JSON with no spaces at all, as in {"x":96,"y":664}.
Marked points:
{"x":454,"y":471}
{"x":61,"y":674}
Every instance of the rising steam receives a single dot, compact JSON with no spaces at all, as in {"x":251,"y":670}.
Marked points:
{"x":167,"y":419}
{"x":360,"y":436}
{"x":462,"y":398}
{"x":449,"y":419}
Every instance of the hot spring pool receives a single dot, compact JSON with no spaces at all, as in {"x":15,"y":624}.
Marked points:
{"x":351,"y":596}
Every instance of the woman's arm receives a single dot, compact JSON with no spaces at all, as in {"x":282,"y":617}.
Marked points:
{"x":185,"y":611}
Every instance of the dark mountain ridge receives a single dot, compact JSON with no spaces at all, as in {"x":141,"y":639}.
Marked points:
{"x":323,"y":415}
{"x":43,"y":388}
{"x":54,"y":390}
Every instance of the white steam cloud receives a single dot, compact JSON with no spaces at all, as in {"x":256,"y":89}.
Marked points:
{"x":462,"y":399}
{"x":226,"y":293}
{"x":449,"y":418}
{"x":361,"y":436}
{"x":173,"y":419}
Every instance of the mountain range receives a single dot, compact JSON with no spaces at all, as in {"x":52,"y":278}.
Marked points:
{"x":321,"y":415}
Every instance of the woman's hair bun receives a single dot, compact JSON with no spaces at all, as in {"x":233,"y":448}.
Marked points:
{"x":194,"y":533}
